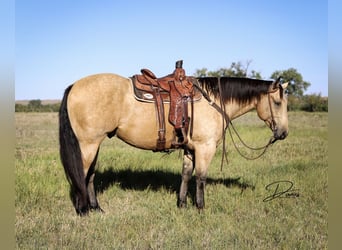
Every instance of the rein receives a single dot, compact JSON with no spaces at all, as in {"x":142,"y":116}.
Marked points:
{"x":225,"y":119}
{"x":264,"y":148}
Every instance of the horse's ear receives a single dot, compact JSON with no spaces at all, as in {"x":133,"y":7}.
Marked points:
{"x":279,"y":82}
{"x":284,"y":85}
{"x":276,"y":83}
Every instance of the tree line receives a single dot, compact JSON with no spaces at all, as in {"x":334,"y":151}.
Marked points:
{"x":296,"y":98}
{"x":37,"y":106}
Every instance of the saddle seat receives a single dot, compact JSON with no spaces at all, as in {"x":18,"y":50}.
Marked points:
{"x":149,"y":79}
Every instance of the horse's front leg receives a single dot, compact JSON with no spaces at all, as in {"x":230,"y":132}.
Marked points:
{"x":204,"y":155}
{"x":200,"y":186}
{"x":188,"y":167}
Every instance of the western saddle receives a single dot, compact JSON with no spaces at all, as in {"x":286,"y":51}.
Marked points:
{"x":175,"y":88}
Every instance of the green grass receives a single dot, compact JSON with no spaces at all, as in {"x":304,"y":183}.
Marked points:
{"x":138,"y":191}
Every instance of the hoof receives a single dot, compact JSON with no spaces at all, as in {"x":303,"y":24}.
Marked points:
{"x":82,"y":211}
{"x":200,"y":210}
{"x":200,"y":205}
{"x":181,"y":204}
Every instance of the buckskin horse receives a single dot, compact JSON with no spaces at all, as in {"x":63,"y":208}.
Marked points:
{"x":103,"y":105}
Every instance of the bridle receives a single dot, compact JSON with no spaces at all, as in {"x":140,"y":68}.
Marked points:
{"x":273,"y":123}
{"x":226,"y":120}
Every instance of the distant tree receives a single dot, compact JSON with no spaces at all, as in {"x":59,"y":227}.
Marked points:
{"x":297,"y":85}
{"x":201,"y":72}
{"x":35,"y":103}
{"x":255,"y":74}
{"x":236,"y":69}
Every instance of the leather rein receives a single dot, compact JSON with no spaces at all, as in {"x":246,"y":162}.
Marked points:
{"x":225,"y":119}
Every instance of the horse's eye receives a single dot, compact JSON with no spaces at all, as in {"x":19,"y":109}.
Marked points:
{"x":277,"y":103}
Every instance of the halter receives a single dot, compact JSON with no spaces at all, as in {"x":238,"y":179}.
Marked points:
{"x":225,"y":119}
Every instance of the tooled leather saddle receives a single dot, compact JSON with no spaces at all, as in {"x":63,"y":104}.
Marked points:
{"x":176,"y":89}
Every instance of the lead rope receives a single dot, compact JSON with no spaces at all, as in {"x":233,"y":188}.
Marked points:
{"x":225,"y":118}
{"x":270,"y":142}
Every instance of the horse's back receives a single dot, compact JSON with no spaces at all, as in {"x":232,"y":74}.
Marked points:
{"x":99,"y":86}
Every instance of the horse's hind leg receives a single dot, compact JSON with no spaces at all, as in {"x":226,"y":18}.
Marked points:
{"x":93,"y":203}
{"x":188,"y":167}
{"x":89,"y":157}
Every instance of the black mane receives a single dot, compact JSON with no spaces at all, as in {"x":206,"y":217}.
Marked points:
{"x":241,"y":90}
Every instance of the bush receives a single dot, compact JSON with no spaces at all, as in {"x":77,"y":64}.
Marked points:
{"x":294,"y":103}
{"x":315,"y":103}
{"x":310,"y":103}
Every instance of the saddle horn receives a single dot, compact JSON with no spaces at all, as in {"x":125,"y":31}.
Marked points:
{"x":179,"y":64}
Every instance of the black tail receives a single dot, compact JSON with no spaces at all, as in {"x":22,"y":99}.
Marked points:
{"x":71,"y":158}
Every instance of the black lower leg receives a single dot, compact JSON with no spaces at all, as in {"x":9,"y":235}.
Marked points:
{"x":81,"y":203}
{"x":200,"y":185}
{"x":92,"y":199}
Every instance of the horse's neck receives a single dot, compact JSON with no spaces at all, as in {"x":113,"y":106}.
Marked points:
{"x":234,"y":109}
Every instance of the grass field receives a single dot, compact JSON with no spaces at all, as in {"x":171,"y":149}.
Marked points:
{"x":138,"y":191}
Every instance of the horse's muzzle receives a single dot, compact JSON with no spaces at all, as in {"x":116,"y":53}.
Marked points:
{"x":280,"y":134}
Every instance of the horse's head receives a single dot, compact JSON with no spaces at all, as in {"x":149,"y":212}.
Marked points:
{"x":272,"y":108}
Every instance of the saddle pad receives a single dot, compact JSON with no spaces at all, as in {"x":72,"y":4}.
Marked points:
{"x":146,"y":96}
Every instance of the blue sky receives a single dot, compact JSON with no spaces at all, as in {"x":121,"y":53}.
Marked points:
{"x":59,"y":42}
